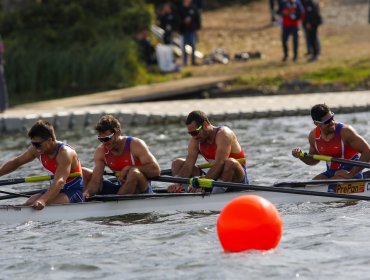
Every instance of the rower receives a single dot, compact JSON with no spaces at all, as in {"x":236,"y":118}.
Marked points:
{"x":337,"y":140}
{"x":217,"y":144}
{"x":58,"y":158}
{"x":127,"y":155}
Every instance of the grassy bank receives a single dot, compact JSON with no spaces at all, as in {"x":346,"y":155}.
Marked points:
{"x":344,"y":63}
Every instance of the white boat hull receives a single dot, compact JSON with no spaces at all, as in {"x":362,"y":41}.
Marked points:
{"x":129,"y":204}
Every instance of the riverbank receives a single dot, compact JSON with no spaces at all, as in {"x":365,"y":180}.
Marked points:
{"x":68,"y":114}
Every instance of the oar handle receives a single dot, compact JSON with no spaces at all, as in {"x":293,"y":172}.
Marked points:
{"x":47,"y":177}
{"x":337,"y":160}
{"x":316,"y":157}
{"x":33,"y":179}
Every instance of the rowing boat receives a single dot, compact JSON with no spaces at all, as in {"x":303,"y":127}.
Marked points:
{"x":114,"y":205}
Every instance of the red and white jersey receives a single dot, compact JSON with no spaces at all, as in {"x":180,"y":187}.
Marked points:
{"x":335,"y":147}
{"x":208,"y":150}
{"x":51,"y":163}
{"x":118,"y":162}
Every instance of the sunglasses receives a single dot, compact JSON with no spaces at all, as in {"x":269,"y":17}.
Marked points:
{"x":328,"y":120}
{"x":196,"y":132}
{"x":37,"y":145}
{"x":106,"y":138}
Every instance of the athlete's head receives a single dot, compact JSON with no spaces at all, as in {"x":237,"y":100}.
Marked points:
{"x":42,"y":129}
{"x":319,"y":111}
{"x":108,"y":123}
{"x":198,"y":117}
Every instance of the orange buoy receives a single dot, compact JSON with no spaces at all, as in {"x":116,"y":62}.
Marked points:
{"x":249,"y":222}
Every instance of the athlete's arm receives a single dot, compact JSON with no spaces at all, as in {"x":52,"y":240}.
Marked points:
{"x":27,"y":156}
{"x":312,"y":150}
{"x":64,"y":162}
{"x":95,"y":182}
{"x":357,"y":142}
{"x":149,"y":164}
{"x":187,"y":169}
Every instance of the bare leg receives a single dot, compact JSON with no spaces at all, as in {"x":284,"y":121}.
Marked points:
{"x":177,"y":165}
{"x":232,"y":171}
{"x":321,"y":177}
{"x":135,"y":182}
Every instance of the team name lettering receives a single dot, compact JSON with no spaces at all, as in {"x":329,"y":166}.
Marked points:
{"x":350,"y":188}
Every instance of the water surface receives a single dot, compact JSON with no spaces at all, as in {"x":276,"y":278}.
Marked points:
{"x":320,"y":240}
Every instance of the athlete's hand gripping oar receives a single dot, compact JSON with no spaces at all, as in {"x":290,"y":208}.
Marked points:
{"x":208,"y":183}
{"x":33,"y":179}
{"x":200,"y":166}
{"x":337,"y":160}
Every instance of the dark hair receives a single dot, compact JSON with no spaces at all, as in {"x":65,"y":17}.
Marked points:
{"x":107,"y":122}
{"x":198,"y":116}
{"x":42,"y":129}
{"x":318,"y":111}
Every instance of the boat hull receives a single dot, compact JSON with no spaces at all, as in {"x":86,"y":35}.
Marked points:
{"x":145,"y":203}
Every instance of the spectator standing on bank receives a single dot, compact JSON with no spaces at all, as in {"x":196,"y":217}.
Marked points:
{"x":312,"y":20}
{"x":272,"y":10}
{"x":291,"y":12}
{"x":3,"y":89}
{"x":189,"y":25}
{"x":169,"y":22}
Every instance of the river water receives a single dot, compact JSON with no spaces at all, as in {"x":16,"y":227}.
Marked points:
{"x":320,"y":240}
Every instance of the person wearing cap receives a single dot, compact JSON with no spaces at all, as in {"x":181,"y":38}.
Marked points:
{"x":126,"y":155}
{"x":337,"y":140}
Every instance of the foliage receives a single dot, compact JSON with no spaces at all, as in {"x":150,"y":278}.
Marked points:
{"x":347,"y":74}
{"x":65,"y":47}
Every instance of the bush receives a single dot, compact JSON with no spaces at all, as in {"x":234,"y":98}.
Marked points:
{"x":63,"y":47}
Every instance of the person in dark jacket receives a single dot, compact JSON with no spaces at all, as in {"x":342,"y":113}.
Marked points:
{"x":312,"y":20}
{"x":168,"y":21}
{"x":189,"y":25}
{"x":146,"y":49}
{"x":291,"y":12}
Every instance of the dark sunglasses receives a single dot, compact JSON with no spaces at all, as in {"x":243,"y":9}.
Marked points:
{"x":106,"y":138}
{"x":328,"y":120}
{"x":37,"y":145}
{"x":196,"y":132}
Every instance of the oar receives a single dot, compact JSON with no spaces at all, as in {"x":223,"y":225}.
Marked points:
{"x":16,"y":194}
{"x":338,"y":160}
{"x":22,"y":194}
{"x":208,"y":183}
{"x":33,"y":179}
{"x":169,"y":171}
{"x":200,"y":166}
{"x":318,"y":182}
